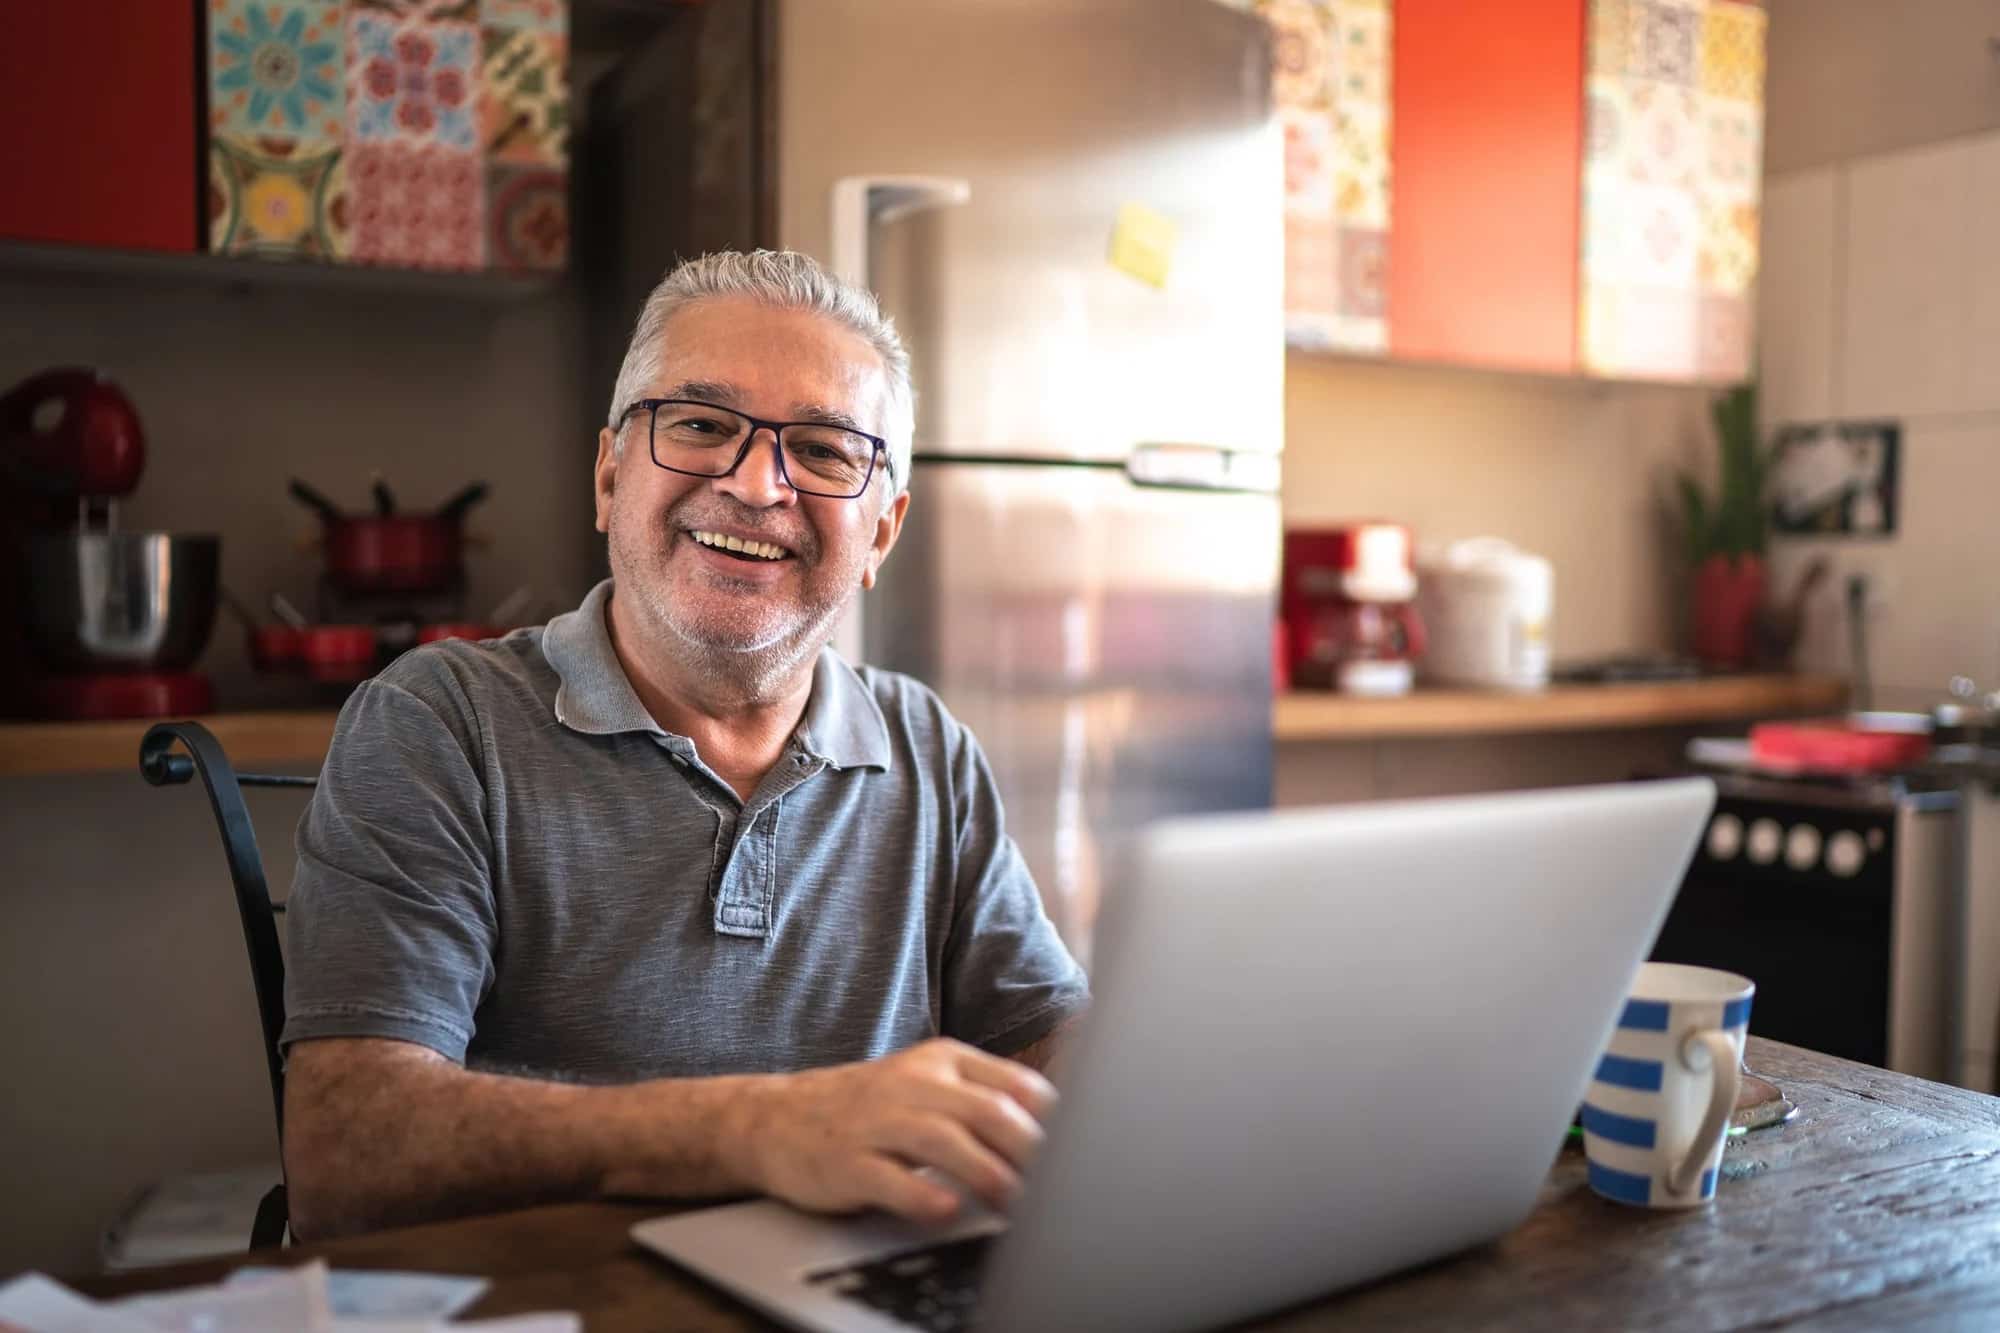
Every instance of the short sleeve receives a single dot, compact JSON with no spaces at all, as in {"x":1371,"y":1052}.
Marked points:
{"x":391,"y":925}
{"x":1008,"y":978}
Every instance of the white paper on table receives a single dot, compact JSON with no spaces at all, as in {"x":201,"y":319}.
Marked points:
{"x":356,"y":1293}
{"x":292,"y":1299}
{"x":544,"y":1322}
{"x":289,"y":1298}
{"x":40,"y":1304}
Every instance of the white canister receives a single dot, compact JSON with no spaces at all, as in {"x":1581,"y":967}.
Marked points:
{"x":1486,"y":606}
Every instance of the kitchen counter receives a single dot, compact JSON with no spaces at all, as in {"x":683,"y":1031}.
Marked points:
{"x":33,"y":748}
{"x":250,"y":739}
{"x":1323,"y":716}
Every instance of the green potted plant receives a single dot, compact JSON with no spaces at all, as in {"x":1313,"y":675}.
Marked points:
{"x":1726,"y":535}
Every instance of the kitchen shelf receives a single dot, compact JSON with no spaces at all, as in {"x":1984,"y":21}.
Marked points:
{"x":32,"y":749}
{"x":31,"y":259}
{"x":1315,"y":716}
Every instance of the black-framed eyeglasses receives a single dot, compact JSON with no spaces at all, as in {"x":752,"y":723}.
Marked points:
{"x":700,"y":439}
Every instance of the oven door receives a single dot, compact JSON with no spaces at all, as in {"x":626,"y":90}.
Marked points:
{"x":1799,"y":895}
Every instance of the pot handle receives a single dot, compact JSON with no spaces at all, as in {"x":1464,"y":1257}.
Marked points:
{"x":314,"y":501}
{"x":452,"y":510}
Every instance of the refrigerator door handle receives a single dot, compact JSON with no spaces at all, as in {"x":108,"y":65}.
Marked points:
{"x":861,"y":201}
{"x":1202,"y":467}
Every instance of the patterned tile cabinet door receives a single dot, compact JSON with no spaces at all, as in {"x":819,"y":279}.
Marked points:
{"x":407,"y":133}
{"x":1333,"y":85}
{"x":1673,"y":160}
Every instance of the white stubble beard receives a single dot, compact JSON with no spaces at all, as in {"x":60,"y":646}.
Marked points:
{"x":755,"y":664}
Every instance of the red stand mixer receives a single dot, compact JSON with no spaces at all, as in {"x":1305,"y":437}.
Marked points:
{"x":108,"y":622}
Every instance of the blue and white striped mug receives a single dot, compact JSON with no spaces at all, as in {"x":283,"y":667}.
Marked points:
{"x":1657,"y":1113}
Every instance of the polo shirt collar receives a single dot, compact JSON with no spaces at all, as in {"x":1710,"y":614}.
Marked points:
{"x":843,"y":725}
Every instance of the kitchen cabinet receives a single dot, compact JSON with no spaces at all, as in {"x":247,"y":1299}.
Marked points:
{"x":334,"y":131}
{"x":1488,"y":134}
{"x":432,"y":136}
{"x":1560,"y":186}
{"x":100,"y":147}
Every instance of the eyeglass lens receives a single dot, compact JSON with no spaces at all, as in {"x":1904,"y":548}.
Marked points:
{"x":704,"y":441}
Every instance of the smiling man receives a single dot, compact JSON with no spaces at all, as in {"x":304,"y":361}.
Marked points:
{"x":664,"y":897}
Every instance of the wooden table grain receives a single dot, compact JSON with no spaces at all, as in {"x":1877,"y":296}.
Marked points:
{"x":1877,"y":1207}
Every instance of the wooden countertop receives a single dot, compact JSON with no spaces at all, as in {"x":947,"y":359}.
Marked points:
{"x":250,"y":739}
{"x":1321,"y":716}
{"x":301,"y":737}
{"x":1871,"y":1209}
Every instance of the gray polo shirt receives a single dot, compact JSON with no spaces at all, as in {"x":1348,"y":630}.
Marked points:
{"x":507,"y":860}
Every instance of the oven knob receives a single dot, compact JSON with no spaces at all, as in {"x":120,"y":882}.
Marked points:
{"x":1765,"y":840}
{"x":1725,"y":837}
{"x":1802,"y":847}
{"x":1845,"y":852}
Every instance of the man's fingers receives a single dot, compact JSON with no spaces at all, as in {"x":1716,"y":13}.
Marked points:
{"x":1023,"y":1084}
{"x":932,"y":1139}
{"x":891,"y":1185}
{"x":995,"y":1118}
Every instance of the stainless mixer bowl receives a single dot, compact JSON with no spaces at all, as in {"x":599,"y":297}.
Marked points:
{"x":122,"y":601}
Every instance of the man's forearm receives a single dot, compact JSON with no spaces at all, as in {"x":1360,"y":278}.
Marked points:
{"x":380,"y":1134}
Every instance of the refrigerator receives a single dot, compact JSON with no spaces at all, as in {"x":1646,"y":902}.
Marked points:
{"x":1073,"y":211}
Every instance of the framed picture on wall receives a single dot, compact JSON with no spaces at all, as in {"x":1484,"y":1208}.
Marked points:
{"x":1836,"y":478}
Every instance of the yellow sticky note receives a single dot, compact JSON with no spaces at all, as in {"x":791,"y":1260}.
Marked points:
{"x":1142,"y":244}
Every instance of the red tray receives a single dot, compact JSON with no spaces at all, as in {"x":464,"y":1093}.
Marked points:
{"x":1837,"y":745}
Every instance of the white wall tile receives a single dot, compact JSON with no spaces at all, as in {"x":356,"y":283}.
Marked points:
{"x":1906,"y":303}
{"x":1982,"y":344}
{"x":1796,"y":301}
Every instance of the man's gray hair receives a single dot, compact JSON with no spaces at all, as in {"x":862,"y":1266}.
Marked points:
{"x":789,"y":281}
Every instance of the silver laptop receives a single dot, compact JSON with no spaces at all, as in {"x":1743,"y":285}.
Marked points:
{"x":1325,"y":1045}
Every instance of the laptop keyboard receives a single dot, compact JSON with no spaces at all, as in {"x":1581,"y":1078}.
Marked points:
{"x":934,"y":1288}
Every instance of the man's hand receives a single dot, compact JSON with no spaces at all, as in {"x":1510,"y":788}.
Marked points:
{"x":835,"y":1140}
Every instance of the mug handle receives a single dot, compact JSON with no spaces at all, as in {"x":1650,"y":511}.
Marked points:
{"x":1728,"y":1078}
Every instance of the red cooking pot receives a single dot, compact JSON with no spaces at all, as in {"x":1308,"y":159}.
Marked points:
{"x":410,"y":553}
{"x":338,"y":653}
{"x":390,"y":552}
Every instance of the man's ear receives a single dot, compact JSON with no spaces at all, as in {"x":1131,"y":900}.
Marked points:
{"x":887,"y":529}
{"x":605,"y":476}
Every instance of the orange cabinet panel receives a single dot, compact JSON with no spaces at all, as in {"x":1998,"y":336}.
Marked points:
{"x":98,"y":123}
{"x":1487,"y":147}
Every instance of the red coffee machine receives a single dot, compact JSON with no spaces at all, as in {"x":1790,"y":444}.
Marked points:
{"x":107,"y":623}
{"x":1349,"y":622}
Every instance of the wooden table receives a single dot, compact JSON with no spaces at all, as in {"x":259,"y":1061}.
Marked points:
{"x":1877,"y":1207}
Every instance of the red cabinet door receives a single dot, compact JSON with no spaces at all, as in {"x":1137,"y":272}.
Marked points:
{"x":1487,"y":158}
{"x":98,"y":141}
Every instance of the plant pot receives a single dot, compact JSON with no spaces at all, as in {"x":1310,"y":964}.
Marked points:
{"x":1728,"y":592}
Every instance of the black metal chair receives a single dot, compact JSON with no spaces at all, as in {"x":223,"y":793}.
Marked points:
{"x":163,"y":768}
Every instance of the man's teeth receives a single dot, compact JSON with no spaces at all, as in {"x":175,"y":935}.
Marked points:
{"x":762,"y":550}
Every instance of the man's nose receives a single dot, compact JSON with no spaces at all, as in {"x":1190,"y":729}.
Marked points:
{"x":759,"y":480}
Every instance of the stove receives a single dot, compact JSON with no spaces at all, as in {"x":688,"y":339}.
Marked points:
{"x":1838,"y":897}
